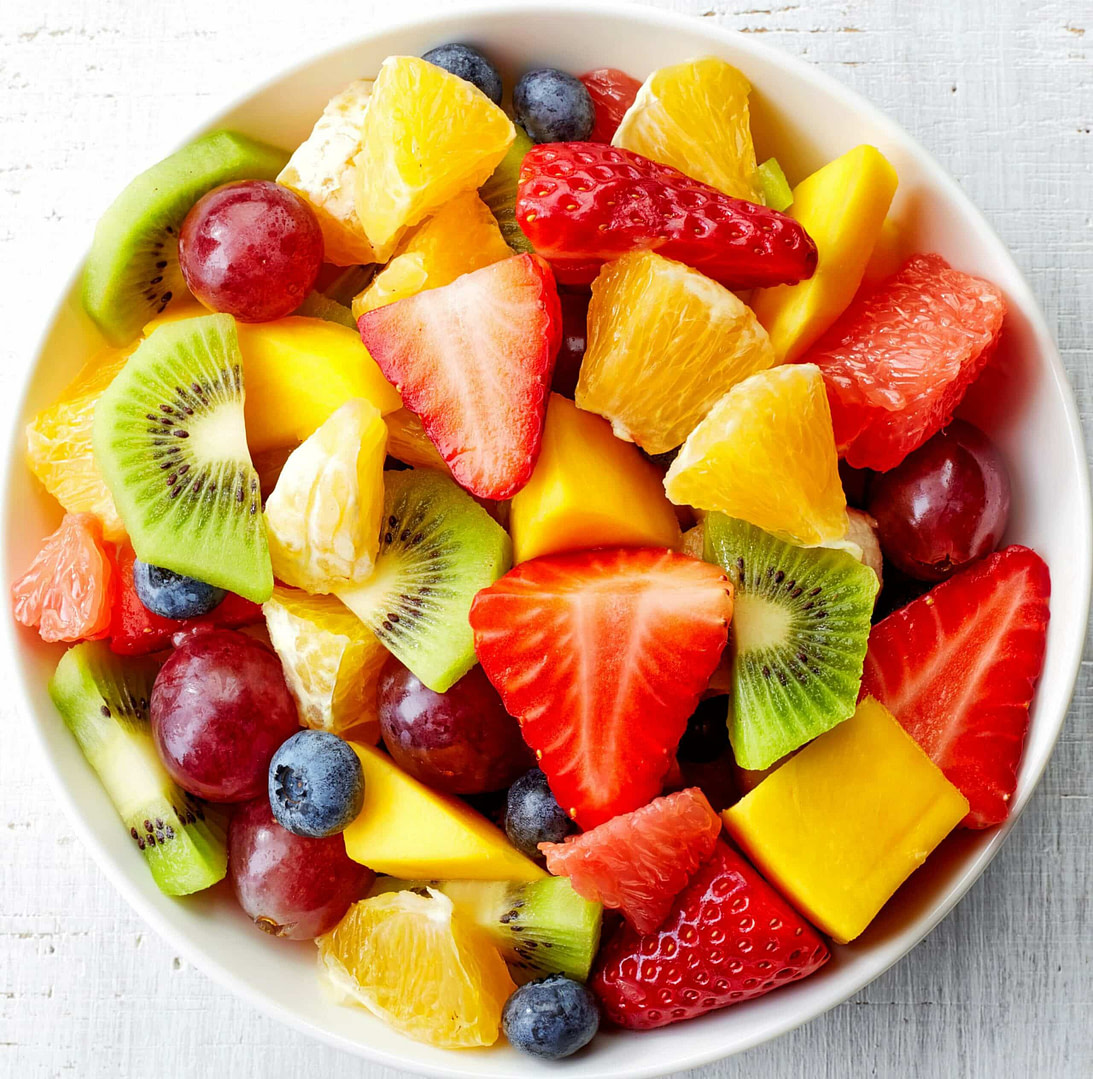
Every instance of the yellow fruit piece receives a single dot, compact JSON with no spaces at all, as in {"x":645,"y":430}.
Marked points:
{"x":407,"y":441}
{"x":428,"y":136}
{"x":413,"y":962}
{"x":589,"y":489}
{"x":842,"y":824}
{"x":407,"y":830}
{"x":297,"y":371}
{"x":58,"y":444}
{"x":694,"y":116}
{"x":322,"y":172}
{"x":332,"y":662}
{"x":842,"y":207}
{"x":460,"y":237}
{"x":887,"y":256}
{"x":323,"y":517}
{"x":766,"y":454}
{"x":664,"y":343}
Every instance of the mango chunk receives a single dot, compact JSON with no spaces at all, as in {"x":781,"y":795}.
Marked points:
{"x":841,"y":825}
{"x":589,"y":489}
{"x":407,"y":830}
{"x":842,"y":207}
{"x":888,"y":254}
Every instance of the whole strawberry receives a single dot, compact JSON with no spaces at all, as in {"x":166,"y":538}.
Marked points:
{"x":729,"y":937}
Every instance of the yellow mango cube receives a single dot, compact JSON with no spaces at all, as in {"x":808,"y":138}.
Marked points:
{"x":589,"y":489}
{"x":842,"y":207}
{"x":407,"y":830}
{"x":841,"y":825}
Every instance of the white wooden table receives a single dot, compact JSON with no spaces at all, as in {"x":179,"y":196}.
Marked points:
{"x":1000,"y":90}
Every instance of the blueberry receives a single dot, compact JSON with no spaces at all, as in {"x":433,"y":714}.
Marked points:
{"x":316,"y":787}
{"x":707,"y":734}
{"x":171,"y":595}
{"x":552,"y":1017}
{"x":468,"y":64}
{"x":533,"y":816}
{"x":553,"y":106}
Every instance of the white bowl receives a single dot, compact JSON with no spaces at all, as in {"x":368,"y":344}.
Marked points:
{"x":1023,"y":400}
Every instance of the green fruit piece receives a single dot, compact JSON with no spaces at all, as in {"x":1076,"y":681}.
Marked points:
{"x":543,"y":927}
{"x":773,"y":185}
{"x":170,"y":441}
{"x":104,"y":702}
{"x":799,"y":630}
{"x":316,"y":305}
{"x":352,"y":281}
{"x":499,"y":192}
{"x":438,"y":549}
{"x":132,"y":272}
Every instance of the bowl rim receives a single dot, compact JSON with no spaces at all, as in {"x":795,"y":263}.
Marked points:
{"x":651,"y":18}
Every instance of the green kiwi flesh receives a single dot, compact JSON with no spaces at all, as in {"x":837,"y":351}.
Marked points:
{"x":438,"y":548}
{"x":499,"y":192}
{"x":170,"y":441}
{"x":344,"y":288}
{"x":316,"y":305}
{"x":798,"y":636}
{"x":132,"y":272}
{"x":103,"y":699}
{"x":543,"y":927}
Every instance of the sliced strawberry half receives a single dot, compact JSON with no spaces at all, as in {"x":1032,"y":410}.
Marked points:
{"x":958,"y":668}
{"x":474,"y":360}
{"x":639,"y":862}
{"x":601,"y":656}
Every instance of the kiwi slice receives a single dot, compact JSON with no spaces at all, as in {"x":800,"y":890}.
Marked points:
{"x":499,"y":192}
{"x":170,"y":441}
{"x":438,"y":548}
{"x":316,"y":305}
{"x":348,"y":284}
{"x":132,"y":272}
{"x":543,"y":927}
{"x":104,"y":702}
{"x":799,"y":631}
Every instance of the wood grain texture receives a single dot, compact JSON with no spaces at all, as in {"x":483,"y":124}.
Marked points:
{"x":1001,"y":91}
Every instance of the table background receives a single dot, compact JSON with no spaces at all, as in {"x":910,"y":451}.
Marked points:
{"x":1001,"y":91}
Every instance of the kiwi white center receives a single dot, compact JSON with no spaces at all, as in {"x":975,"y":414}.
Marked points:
{"x":220,"y":435}
{"x":760,"y":623}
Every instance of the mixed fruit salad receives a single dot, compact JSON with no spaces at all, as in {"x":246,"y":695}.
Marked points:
{"x":473,"y":538}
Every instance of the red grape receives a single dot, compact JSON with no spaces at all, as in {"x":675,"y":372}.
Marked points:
{"x":292,"y":886}
{"x":612,"y":92}
{"x":251,"y":248}
{"x":220,"y":709}
{"x":567,"y":367}
{"x":460,"y":742}
{"x":944,"y":506}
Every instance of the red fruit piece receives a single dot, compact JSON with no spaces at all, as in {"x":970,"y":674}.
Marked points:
{"x":601,"y":656}
{"x":583,"y":203}
{"x":567,"y":368}
{"x":612,"y":92}
{"x":67,"y":591}
{"x":958,"y":668}
{"x":729,"y":937}
{"x":639,"y":862}
{"x":898,"y":361}
{"x":135,"y":630}
{"x":474,"y":360}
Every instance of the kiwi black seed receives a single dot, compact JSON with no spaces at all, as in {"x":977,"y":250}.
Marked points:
{"x":132,"y":271}
{"x":170,"y":440}
{"x":798,"y":637}
{"x":437,"y":549}
{"x":103,"y":699}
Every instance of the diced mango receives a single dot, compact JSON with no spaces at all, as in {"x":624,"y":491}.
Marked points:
{"x":888,"y":254}
{"x":589,"y":489}
{"x":842,"y":207}
{"x":841,"y":825}
{"x":407,"y":830}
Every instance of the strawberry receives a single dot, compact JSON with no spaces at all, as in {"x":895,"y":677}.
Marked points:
{"x":958,"y":667}
{"x":639,"y":862}
{"x":583,"y":203}
{"x":601,"y":656}
{"x":729,"y":937}
{"x":612,"y":92}
{"x":474,"y":360}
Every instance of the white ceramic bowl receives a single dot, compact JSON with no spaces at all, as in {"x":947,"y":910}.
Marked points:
{"x":1023,"y":400}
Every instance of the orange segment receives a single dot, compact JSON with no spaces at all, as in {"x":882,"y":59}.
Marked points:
{"x":407,"y":441}
{"x":410,"y":960}
{"x":766,"y":454}
{"x":695,"y":117}
{"x":427,"y":136}
{"x":664,"y":343}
